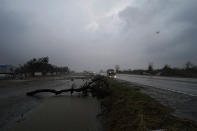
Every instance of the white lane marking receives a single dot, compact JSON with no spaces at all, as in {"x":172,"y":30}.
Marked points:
{"x":176,"y":91}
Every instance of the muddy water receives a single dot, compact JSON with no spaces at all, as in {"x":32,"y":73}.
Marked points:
{"x":62,"y":112}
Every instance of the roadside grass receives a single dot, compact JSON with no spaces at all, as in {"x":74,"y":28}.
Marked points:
{"x":125,"y":108}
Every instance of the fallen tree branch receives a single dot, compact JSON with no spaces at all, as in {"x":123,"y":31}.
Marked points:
{"x":41,"y":90}
{"x":53,"y":91}
{"x":87,"y":87}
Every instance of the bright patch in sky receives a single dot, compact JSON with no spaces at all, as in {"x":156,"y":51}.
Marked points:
{"x":93,"y":26}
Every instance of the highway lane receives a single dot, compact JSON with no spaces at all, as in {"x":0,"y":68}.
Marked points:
{"x":186,"y":86}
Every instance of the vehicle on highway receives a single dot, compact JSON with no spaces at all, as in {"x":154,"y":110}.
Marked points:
{"x":111,"y":73}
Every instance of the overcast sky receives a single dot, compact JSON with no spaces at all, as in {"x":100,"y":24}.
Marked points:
{"x":98,"y":34}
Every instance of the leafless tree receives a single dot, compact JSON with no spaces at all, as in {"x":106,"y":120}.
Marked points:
{"x":117,"y":67}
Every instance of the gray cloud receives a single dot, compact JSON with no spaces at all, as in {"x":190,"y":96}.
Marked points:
{"x":99,"y":34}
{"x":176,"y":22}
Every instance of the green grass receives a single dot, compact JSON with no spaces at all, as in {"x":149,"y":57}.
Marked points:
{"x":125,"y":108}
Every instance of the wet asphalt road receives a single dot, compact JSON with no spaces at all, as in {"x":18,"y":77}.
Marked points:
{"x":180,"y":94}
{"x":187,"y":86}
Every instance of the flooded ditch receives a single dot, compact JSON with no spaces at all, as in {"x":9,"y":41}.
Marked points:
{"x":62,"y":112}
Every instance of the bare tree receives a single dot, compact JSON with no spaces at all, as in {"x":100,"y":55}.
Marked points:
{"x":150,"y":67}
{"x":117,"y":67}
{"x":188,"y":65}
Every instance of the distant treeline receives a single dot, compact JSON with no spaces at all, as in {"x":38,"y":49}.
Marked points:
{"x":190,"y":70}
{"x":40,"y":65}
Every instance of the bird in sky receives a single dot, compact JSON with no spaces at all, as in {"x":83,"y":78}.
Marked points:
{"x":157,"y":32}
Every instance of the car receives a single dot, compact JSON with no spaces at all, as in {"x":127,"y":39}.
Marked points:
{"x":111,"y":73}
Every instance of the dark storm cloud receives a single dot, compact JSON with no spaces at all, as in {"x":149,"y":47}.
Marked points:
{"x":12,"y":25}
{"x":175,"y":20}
{"x":99,"y":34}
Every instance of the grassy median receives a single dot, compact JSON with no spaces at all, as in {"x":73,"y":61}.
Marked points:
{"x":125,"y":108}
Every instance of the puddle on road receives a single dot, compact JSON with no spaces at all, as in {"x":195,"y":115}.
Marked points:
{"x":64,"y":112}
